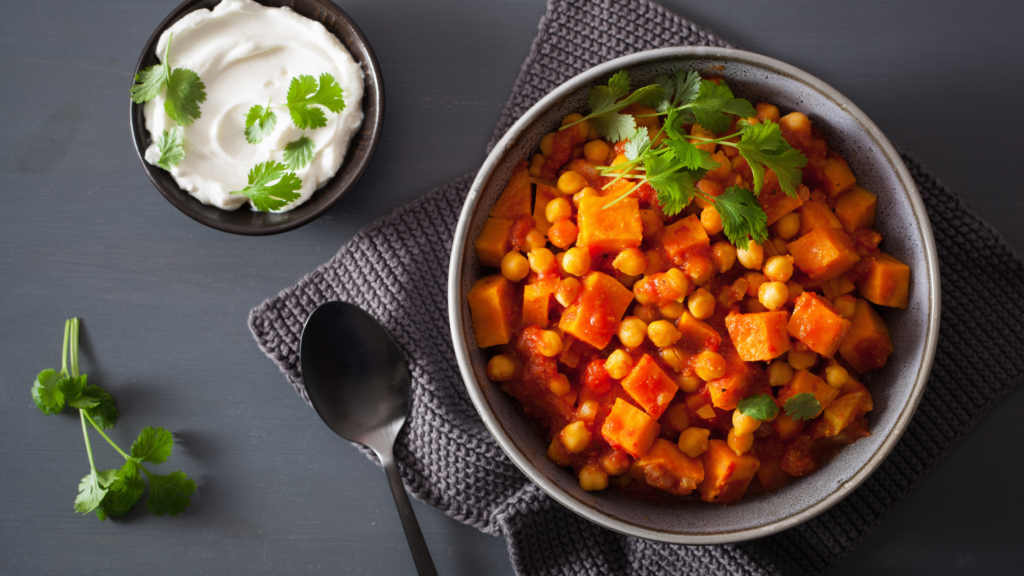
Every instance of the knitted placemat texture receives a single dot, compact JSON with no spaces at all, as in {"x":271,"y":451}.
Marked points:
{"x":396,"y":269}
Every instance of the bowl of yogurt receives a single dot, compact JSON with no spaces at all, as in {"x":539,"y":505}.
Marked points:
{"x":288,"y":96}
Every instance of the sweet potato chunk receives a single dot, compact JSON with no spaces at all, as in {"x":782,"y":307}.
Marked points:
{"x":609,"y":230}
{"x":824,"y":253}
{"x":628,"y":428}
{"x":887,"y":281}
{"x":666,"y":467}
{"x":684,"y":235}
{"x":739,"y":380}
{"x":490,"y":305}
{"x":650,"y":386}
{"x":786,"y":427}
{"x":536,"y":298}
{"x":838,"y":177}
{"x":545,"y":194}
{"x":844,"y":411}
{"x":777,"y":204}
{"x":856,"y":209}
{"x":805,"y":382}
{"x":867,"y":345}
{"x":837,"y":287}
{"x":595,"y":314}
{"x":517,"y":196}
{"x":817,"y":324}
{"x":494,"y":242}
{"x":816,"y":213}
{"x":759,"y":337}
{"x":726,"y":475}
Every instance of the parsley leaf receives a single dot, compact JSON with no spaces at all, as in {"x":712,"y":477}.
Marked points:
{"x":153,"y":445}
{"x":299,"y":154}
{"x":803,"y":406}
{"x":172,"y":148}
{"x":185,"y":90}
{"x":606,"y":102}
{"x":46,"y":392}
{"x":259,"y":123}
{"x":742,"y":216}
{"x":763,"y":144}
{"x":760,"y":407}
{"x":304,"y":94}
{"x":268,"y":197}
{"x":169,"y":494}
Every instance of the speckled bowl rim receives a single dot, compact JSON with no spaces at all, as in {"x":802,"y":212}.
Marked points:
{"x":474,"y":386}
{"x":334,"y":189}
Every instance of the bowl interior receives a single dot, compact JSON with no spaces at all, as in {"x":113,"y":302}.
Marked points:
{"x":360,"y":151}
{"x":895,"y":388}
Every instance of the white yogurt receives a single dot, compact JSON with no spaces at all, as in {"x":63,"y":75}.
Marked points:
{"x":246,"y":54}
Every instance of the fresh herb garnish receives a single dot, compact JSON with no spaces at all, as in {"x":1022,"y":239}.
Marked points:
{"x":259,"y":123}
{"x":742,"y":216}
{"x":304,"y":94}
{"x":606,"y":102}
{"x":185,"y":90}
{"x":171,"y":145}
{"x":110,"y":492}
{"x":760,"y":407}
{"x":299,"y":154}
{"x":271,"y":186}
{"x":803,"y":406}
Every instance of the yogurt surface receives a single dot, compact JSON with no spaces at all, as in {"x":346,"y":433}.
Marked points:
{"x":247,"y":54}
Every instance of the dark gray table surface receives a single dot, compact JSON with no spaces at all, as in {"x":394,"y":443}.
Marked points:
{"x":164,"y":299}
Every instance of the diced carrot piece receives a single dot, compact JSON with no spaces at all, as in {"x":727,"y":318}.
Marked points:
{"x":684,"y":235}
{"x":517,"y":196}
{"x":867,"y":345}
{"x":844,"y":411}
{"x":817,"y":324}
{"x":786,"y":427}
{"x":536,"y":298}
{"x":494,"y":242}
{"x":666,"y":467}
{"x":726,"y":475}
{"x":838,"y":177}
{"x":697,"y":334}
{"x":824,"y":253}
{"x":650,"y":386}
{"x":490,"y":305}
{"x":545,"y":194}
{"x":759,"y":337}
{"x":604,"y":230}
{"x":595,"y":314}
{"x":816,"y":213}
{"x":630,"y":429}
{"x":856,"y":209}
{"x":777,"y":204}
{"x":805,"y":382}
{"x":886,"y":281}
{"x":739,"y":380}
{"x":837,"y":287}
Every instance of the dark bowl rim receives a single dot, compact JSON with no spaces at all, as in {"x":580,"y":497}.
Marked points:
{"x":185,"y":203}
{"x":515,"y":452}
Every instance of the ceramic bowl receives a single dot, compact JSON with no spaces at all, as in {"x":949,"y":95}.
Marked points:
{"x":360,"y":151}
{"x":896,"y":388}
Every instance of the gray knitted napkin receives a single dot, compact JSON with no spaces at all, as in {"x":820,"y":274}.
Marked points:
{"x":396,"y":269}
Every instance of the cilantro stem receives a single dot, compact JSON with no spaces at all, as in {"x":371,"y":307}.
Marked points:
{"x":105,"y":437}
{"x":64,"y":352}
{"x":74,"y":347}
{"x":88,"y":446}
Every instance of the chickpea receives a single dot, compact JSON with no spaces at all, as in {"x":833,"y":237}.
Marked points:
{"x":678,"y":417}
{"x":559,"y":385}
{"x":780,"y":246}
{"x":796,"y":122}
{"x":593,"y":477}
{"x":699,"y":269}
{"x":652,"y":224}
{"x":558,"y":454}
{"x":549,"y":343}
{"x":557,"y":209}
{"x":744,"y":424}
{"x":788,"y":226}
{"x":672,"y":310}
{"x":689,"y":382}
{"x":846,"y":305}
{"x":679,"y":282}
{"x":501,"y":368}
{"x":514,"y":266}
{"x":694,"y":441}
{"x":620,"y":159}
{"x":767,"y":112}
{"x":751,"y":256}
{"x":547,"y":144}
{"x":740,"y":443}
{"x":701,"y":304}
{"x":568,"y":290}
{"x":801,"y":360}
{"x":754,"y":281}
{"x":709,"y":365}
{"x":592,"y":133}
{"x":596,"y":151}
{"x":615,"y":463}
{"x":576,"y":261}
{"x":837,"y":376}
{"x":618,"y":364}
{"x":562,"y":233}
{"x":779,"y":373}
{"x":663,"y":333}
{"x":648,"y":313}
{"x":711,"y":220}
{"x":575,"y":437}
{"x":570,"y":183}
{"x":581,"y":126}
{"x":779,"y":268}
{"x":535,"y":239}
{"x":536,"y":162}
{"x":632,"y":331}
{"x":753,"y":306}
{"x":773,"y":295}
{"x":587,"y":192}
{"x":656,"y":261}
{"x":541,"y":260}
{"x":674,"y":357}
{"x":724,"y":256}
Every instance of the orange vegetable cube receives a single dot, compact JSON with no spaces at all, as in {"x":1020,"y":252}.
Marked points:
{"x":650,"y":386}
{"x":517,"y":196}
{"x":838,"y":176}
{"x":739,"y":380}
{"x":684,"y":235}
{"x":608,"y":230}
{"x":628,"y":428}
{"x":856,"y":209}
{"x":770,"y":474}
{"x":816,"y":213}
{"x":887,"y":282}
{"x":726,"y":475}
{"x":595,"y":314}
{"x":844,"y":411}
{"x":786,"y":427}
{"x":837,"y":287}
{"x":494,"y":242}
{"x":545,"y":194}
{"x":798,"y":459}
{"x":490,"y":305}
{"x":759,"y":337}
{"x":776,"y":204}
{"x":867,"y":344}
{"x":824,"y":253}
{"x":817,"y":324}
{"x":697,"y":334}
{"x":536,"y":298}
{"x":805,"y":382}
{"x":666,"y":467}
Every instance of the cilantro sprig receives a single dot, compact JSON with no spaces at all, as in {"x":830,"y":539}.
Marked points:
{"x":271,"y":186}
{"x":299,"y":154}
{"x":305,"y":94}
{"x":259,"y":123}
{"x":171,"y":145}
{"x":802,"y":406}
{"x":110,"y":492}
{"x":185,"y":90}
{"x":759,"y":407}
{"x":606,"y":102}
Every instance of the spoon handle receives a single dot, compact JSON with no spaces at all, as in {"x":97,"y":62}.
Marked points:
{"x":418,"y":546}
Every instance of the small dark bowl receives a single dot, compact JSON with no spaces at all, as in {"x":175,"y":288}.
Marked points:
{"x":360,"y":150}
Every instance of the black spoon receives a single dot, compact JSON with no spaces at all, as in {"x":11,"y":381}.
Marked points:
{"x":359,"y":384}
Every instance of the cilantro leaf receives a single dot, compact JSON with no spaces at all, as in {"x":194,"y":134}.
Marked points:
{"x":714,"y":103}
{"x":185,"y":92}
{"x":169,"y":494}
{"x":150,"y":82}
{"x":763,"y":146}
{"x":614,"y":127}
{"x":90,"y":493}
{"x":46,"y":392}
{"x":675,"y":189}
{"x":803,"y":406}
{"x":304,"y":93}
{"x":259,"y":123}
{"x":153,"y":445}
{"x":638,"y":143}
{"x":172,"y":148}
{"x":689,"y":155}
{"x":71,"y":388}
{"x":606,"y":102}
{"x":299,"y":154}
{"x":123,"y":492}
{"x":742,"y":216}
{"x":102,"y":410}
{"x":760,"y":407}
{"x":268,"y":197}
{"x":680,"y":89}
